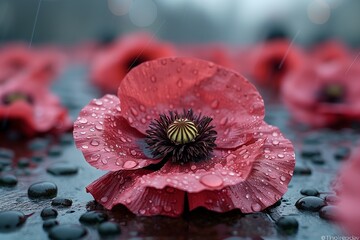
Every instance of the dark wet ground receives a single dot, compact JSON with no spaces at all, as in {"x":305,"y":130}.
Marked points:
{"x":60,"y":168}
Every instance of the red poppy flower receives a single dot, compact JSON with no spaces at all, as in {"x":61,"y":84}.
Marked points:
{"x":272,"y":61}
{"x":331,"y":51}
{"x":324,"y":94}
{"x":28,"y":106}
{"x":218,"y":153}
{"x":111,"y":65}
{"x":349,"y":194}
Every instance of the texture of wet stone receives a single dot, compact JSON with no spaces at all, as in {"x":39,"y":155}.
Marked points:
{"x":48,"y":156}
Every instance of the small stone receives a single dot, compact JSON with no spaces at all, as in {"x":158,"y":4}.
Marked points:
{"x":66,"y":139}
{"x":62,"y":169}
{"x":6,"y":153}
{"x":61,"y":202}
{"x":287,"y":224}
{"x":302,"y":171}
{"x":55,"y":151}
{"x":93,"y":217}
{"x":108,"y":229}
{"x":48,"y":213}
{"x":318,"y":160}
{"x":42,"y":190}
{"x":38,"y":144}
{"x":11,"y":220}
{"x":310,"y":153}
{"x":309,"y":192}
{"x":50,"y":223}
{"x":328,"y":212}
{"x":23,"y":163}
{"x":67,"y":232}
{"x":310,"y":203}
{"x":342,"y":153}
{"x":8,"y":180}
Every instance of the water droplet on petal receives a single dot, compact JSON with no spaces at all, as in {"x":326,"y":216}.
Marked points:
{"x":133,"y":152}
{"x":255,"y":207}
{"x":275,"y":142}
{"x":230,"y":157}
{"x":95,"y":157}
{"x":134,"y":111}
{"x":142,"y":108}
{"x":153,"y":79}
{"x":167,"y":208}
{"x":280,"y":155}
{"x":179,"y":83}
{"x":282,"y":178}
{"x":85,"y":146}
{"x":98,"y":102}
{"x":163,"y":61}
{"x":130,"y":164}
{"x":215,"y":104}
{"x":83,"y":120}
{"x":94,"y":142}
{"x":99,"y":127}
{"x":131,"y":120}
{"x":223,"y":121}
{"x":104,"y":199}
{"x":211,"y":180}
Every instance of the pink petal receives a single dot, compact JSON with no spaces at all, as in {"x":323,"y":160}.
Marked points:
{"x":126,"y":188}
{"x":106,"y":139}
{"x":158,"y":86}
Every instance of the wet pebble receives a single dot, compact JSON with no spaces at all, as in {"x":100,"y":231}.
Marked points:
{"x":310,"y":153}
{"x":63,"y":168}
{"x":309,"y":192}
{"x":287,"y":224}
{"x":38,"y":144}
{"x":318,"y":160}
{"x":108,"y":229}
{"x":42,"y":190}
{"x":11,"y":220}
{"x":66,"y":139}
{"x":50,"y":223}
{"x":67,"y":232}
{"x":302,"y":171}
{"x":332,"y":199}
{"x":55,"y":151}
{"x":328,"y":212}
{"x":4,"y":162}
{"x":37,"y":158}
{"x":61,"y":202}
{"x":23,"y":163}
{"x":342,"y":153}
{"x":48,"y":213}
{"x":8,"y":180}
{"x":6,"y":153}
{"x":93,"y":217}
{"x":310,"y":203}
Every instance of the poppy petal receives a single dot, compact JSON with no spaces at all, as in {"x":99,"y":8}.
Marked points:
{"x":158,"y":86}
{"x":126,"y":188}
{"x":270,"y":157}
{"x":106,"y":139}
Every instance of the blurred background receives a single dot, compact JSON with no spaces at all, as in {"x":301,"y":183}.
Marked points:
{"x":230,"y":21}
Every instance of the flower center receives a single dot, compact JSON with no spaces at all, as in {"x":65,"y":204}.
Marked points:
{"x":332,"y":93}
{"x":182,"y":131}
{"x":182,"y":137}
{"x":12,"y":97}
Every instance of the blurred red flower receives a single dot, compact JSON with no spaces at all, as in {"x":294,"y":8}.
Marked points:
{"x":28,"y":106}
{"x":112,"y":64}
{"x":349,"y":194}
{"x":271,"y":61}
{"x":324,"y":94}
{"x":330,"y":51}
{"x":159,"y":159}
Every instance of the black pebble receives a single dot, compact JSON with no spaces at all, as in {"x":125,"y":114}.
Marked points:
{"x":6,"y":153}
{"x":4,"y":162}
{"x":328,"y":212}
{"x":310,"y":203}
{"x":318,"y":160}
{"x":66,"y":139}
{"x":309,"y":192}
{"x":108,"y":229}
{"x":302,"y":171}
{"x":93,"y":217}
{"x":50,"y":223}
{"x":342,"y":153}
{"x":23,"y":163}
{"x":48,"y":213}
{"x":11,"y":220}
{"x":62,"y":168}
{"x":38,"y":144}
{"x":287,"y":224}
{"x":42,"y":190}
{"x":55,"y":151}
{"x":8,"y":180}
{"x":310,"y":153}
{"x":67,"y":232}
{"x":61,"y":202}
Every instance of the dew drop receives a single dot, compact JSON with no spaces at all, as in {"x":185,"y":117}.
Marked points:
{"x":99,"y":127}
{"x":280,"y":155}
{"x":104,"y":199}
{"x":215,"y":104}
{"x":94,"y":142}
{"x":211,"y":180}
{"x":95,"y":157}
{"x":134,"y":111}
{"x":179,"y":83}
{"x":130,"y":164}
{"x":223,"y":121}
{"x":255,"y":207}
{"x":282,"y":178}
{"x":85,"y":146}
{"x":104,"y":161}
{"x":133,"y":152}
{"x":230,"y":157}
{"x":275,"y":142}
{"x":98,"y":102}
{"x":153,"y":79}
{"x":131,"y":120}
{"x":123,"y":139}
{"x":247,"y":196}
{"x":167,"y":208}
{"x":142,"y":108}
{"x":163,"y":61}
{"x":211,"y":65}
{"x":83,"y":120}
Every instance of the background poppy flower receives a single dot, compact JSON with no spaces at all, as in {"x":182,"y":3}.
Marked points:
{"x":249,"y":169}
{"x":330,"y":51}
{"x":271,"y":61}
{"x":323,"y":95}
{"x":28,"y":106}
{"x":112,"y":64}
{"x":349,"y":194}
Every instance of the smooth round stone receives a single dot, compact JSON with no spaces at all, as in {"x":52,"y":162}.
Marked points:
{"x":93,"y":217}
{"x":61,"y":202}
{"x":332,"y":199}
{"x":23,"y":163}
{"x":108,"y":229}
{"x":309,"y":192}
{"x":55,"y":151}
{"x":310,"y":153}
{"x":42,"y":190}
{"x":66,"y":139}
{"x":287,"y":224}
{"x":8,"y":180}
{"x":67,"y":232}
{"x":37,"y":158}
{"x":11,"y":220}
{"x":302,"y":171}
{"x":38,"y":144}
{"x":4,"y":162}
{"x":310,"y":203}
{"x":6,"y":153}
{"x":47,"y":213}
{"x":328,"y":212}
{"x":62,"y":169}
{"x":342,"y":153}
{"x":318,"y":160}
{"x":50,"y":223}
